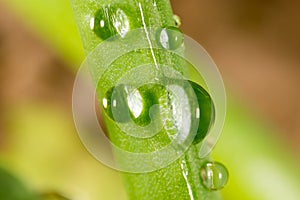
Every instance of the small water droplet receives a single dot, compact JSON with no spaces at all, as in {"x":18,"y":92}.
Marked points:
{"x":177,"y":20}
{"x":170,"y":38}
{"x":214,"y":175}
{"x":109,"y":21}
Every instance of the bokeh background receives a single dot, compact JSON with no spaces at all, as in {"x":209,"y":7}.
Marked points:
{"x":256,"y":45}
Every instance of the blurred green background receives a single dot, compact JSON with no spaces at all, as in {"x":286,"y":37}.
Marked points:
{"x":256,"y":46}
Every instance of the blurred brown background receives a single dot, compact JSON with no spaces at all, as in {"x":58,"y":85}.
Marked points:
{"x":255,"y":43}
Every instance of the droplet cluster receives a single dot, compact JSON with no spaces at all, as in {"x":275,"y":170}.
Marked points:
{"x":123,"y":103}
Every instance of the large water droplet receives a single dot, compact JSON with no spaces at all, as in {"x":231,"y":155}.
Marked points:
{"x":205,"y":111}
{"x":109,"y":21}
{"x":214,"y":175}
{"x":170,"y":38}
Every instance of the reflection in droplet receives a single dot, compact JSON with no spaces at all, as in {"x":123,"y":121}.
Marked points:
{"x":92,"y":23}
{"x":104,"y":103}
{"x":102,"y":23}
{"x":170,"y":38}
{"x":135,"y":103}
{"x":214,"y":175}
{"x":121,"y":22}
{"x":109,"y":21}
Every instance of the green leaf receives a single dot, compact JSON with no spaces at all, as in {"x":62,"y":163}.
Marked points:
{"x":13,"y":189}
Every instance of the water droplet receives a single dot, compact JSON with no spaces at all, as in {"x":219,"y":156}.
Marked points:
{"x":170,"y":38}
{"x":124,"y":102}
{"x":177,"y":20}
{"x":214,"y":175}
{"x":115,"y":105}
{"x":196,"y":105}
{"x":109,"y":21}
{"x":205,"y":111}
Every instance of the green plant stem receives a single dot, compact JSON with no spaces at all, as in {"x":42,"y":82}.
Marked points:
{"x":179,"y":180}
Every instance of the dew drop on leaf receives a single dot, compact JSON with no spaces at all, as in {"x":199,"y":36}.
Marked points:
{"x":177,"y":21}
{"x":170,"y":38}
{"x":115,"y":105}
{"x":214,"y":175}
{"x":109,"y":21}
{"x":124,"y":102}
